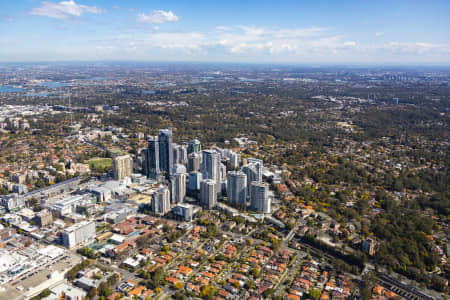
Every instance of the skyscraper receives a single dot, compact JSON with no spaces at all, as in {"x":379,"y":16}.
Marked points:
{"x":258,"y":165}
{"x":165,"y":150}
{"x":210,"y":167}
{"x":237,"y":188}
{"x":194,"y":146}
{"x":194,"y":181}
{"x":194,"y":161}
{"x":151,"y":159}
{"x":259,"y":199}
{"x":179,"y":154}
{"x":253,"y":170}
{"x":122,"y":167}
{"x":208,"y":193}
{"x":161,"y":201}
{"x":179,"y":187}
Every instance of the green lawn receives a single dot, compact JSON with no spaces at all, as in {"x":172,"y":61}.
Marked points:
{"x":100,"y":163}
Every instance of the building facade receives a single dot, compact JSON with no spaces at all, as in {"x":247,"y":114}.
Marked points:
{"x":208,"y":193}
{"x":237,"y":188}
{"x":78,"y":233}
{"x":194,"y":146}
{"x":210,"y":167}
{"x":161,"y":201}
{"x":165,"y":150}
{"x":259,"y":199}
{"x":122,"y":167}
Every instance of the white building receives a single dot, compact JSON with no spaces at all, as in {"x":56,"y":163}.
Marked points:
{"x":253,"y":169}
{"x":161,"y":201}
{"x":179,"y":187}
{"x":78,"y":233}
{"x":12,"y":202}
{"x":208,"y":193}
{"x":122,"y":167}
{"x":184,"y":210}
{"x":67,"y":206}
{"x":259,"y":199}
{"x":237,"y":188}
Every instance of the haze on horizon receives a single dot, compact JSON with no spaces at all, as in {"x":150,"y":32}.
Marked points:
{"x":316,"y":32}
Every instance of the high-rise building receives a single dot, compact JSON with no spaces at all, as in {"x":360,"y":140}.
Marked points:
{"x":211,"y":167}
{"x":122,"y":167}
{"x":179,"y":154}
{"x":368,"y":246}
{"x":179,"y":187}
{"x":165,"y":150}
{"x":233,"y":158}
{"x":179,"y":168}
{"x":237,"y":188}
{"x":223,"y":172}
{"x":161,"y":201}
{"x":151,"y":158}
{"x":78,"y":233}
{"x":184,"y":210}
{"x":194,"y":181}
{"x":208,"y":193}
{"x":259,"y":200}
{"x":194,"y":146}
{"x":253,"y":170}
{"x":194,"y":161}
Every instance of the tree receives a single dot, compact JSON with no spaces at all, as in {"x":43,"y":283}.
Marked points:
{"x":315,"y":293}
{"x":178,"y":285}
{"x":157,"y":277}
{"x":207,"y":292}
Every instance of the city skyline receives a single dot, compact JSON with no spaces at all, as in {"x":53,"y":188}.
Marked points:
{"x":326,"y":32}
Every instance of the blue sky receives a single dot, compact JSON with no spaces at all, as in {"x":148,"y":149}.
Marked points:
{"x":325,"y":32}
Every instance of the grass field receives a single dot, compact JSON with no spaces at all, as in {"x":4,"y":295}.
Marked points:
{"x":100,"y":163}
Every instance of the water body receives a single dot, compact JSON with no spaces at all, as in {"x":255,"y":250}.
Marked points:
{"x":166,"y":85}
{"x":149,"y":92}
{"x":52,"y":84}
{"x":10,"y":89}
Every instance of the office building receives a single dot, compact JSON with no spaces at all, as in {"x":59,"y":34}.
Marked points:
{"x":237,"y":188}
{"x":161,"y":201}
{"x":194,"y":181}
{"x":259,"y":199}
{"x":165,"y":151}
{"x":210,"y":167}
{"x":194,"y":146}
{"x":151,"y":158}
{"x":194,"y":162}
{"x":78,"y":233}
{"x":208,"y":193}
{"x":122,"y":167}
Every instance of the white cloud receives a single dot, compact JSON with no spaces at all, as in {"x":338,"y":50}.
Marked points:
{"x":379,"y":33}
{"x":249,"y":43}
{"x":63,"y":9}
{"x":158,"y":17}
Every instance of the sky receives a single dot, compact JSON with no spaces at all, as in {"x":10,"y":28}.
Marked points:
{"x":404,"y":32}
